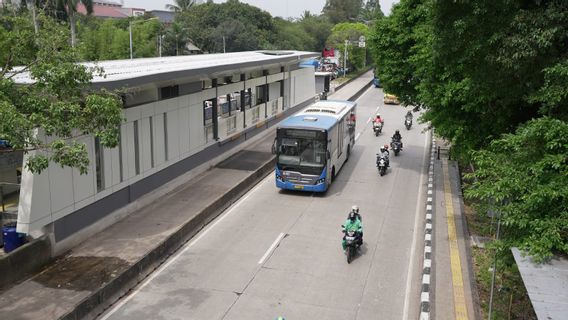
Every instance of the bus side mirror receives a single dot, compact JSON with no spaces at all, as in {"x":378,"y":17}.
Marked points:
{"x":274,"y":146}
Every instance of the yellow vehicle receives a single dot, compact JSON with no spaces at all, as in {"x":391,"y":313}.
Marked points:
{"x":390,"y":99}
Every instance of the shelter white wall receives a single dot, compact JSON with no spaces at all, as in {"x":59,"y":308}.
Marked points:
{"x":57,"y":192}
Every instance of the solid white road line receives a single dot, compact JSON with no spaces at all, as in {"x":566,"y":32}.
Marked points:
{"x":171,"y":260}
{"x":272,"y":247}
{"x":417,"y":221}
{"x":357,"y":136}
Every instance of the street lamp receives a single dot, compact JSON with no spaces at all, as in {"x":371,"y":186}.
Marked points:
{"x":130,"y":23}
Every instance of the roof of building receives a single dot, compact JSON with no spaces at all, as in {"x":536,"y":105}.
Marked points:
{"x":103,"y":11}
{"x":546,"y":285}
{"x":163,"y":15}
{"x":120,"y":73}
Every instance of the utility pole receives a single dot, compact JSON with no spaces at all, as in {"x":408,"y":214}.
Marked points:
{"x":223,"y":44}
{"x":345,"y":58}
{"x":130,"y":34}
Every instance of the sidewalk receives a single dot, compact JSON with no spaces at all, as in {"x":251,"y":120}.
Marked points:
{"x":454,"y":294}
{"x":99,"y":271}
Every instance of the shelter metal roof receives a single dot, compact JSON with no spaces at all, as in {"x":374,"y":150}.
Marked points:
{"x":118,"y":73}
{"x":547,"y":285}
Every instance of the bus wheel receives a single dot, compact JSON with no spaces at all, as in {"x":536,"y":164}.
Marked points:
{"x":333,"y":174}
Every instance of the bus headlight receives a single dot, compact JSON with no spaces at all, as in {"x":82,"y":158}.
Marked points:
{"x":279,"y":178}
{"x":322,"y":180}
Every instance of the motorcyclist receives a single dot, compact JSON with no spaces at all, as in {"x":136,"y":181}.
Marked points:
{"x":397,"y":137}
{"x":384,"y":153}
{"x":355,"y":210}
{"x":352,"y":223}
{"x":378,"y":119}
{"x":409,"y":115}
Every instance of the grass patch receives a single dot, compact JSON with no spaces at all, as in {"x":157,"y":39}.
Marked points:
{"x":510,"y":298}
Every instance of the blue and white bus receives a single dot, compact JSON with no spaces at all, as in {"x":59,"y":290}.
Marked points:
{"x":312,"y":146}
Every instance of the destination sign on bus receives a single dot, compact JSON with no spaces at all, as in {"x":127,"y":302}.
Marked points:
{"x":306,"y":134}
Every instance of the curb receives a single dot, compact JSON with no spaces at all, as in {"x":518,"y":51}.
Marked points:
{"x":427,"y":263}
{"x":97,"y":302}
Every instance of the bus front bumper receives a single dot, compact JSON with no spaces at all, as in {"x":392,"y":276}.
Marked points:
{"x":320,"y":187}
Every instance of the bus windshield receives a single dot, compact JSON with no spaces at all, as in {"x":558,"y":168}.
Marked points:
{"x":302,"y":150}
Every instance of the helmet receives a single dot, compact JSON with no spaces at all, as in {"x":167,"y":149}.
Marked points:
{"x":397,"y":132}
{"x":280,"y":318}
{"x":382,"y":149}
{"x":386,"y":146}
{"x":378,"y":115}
{"x":352,"y":216}
{"x":355,"y":209}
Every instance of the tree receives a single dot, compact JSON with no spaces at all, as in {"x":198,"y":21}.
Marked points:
{"x":70,"y":7}
{"x":351,"y":32}
{"x":492,"y":77}
{"x":46,"y":118}
{"x":400,"y":44}
{"x":342,"y":10}
{"x":202,"y":23}
{"x":318,"y":28}
{"x":291,"y":36}
{"x":371,"y":12}
{"x":524,"y":177}
{"x":181,"y":5}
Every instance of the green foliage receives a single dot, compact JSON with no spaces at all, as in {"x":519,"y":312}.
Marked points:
{"x":291,"y":36}
{"x":400,"y":44}
{"x":109,"y":39}
{"x":318,"y":28}
{"x":349,"y":31}
{"x":342,"y":10}
{"x":524,"y":176}
{"x":50,"y":115}
{"x":181,"y":5}
{"x":371,"y":11}
{"x":249,"y":27}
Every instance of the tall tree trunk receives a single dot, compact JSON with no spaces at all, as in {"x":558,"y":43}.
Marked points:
{"x":73,"y":28}
{"x":32,"y":7}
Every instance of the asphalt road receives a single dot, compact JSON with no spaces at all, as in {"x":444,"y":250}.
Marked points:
{"x":279,"y":253}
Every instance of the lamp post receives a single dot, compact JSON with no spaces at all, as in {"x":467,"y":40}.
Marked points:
{"x":130,"y":23}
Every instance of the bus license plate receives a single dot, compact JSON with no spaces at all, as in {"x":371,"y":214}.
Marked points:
{"x":298,"y":187}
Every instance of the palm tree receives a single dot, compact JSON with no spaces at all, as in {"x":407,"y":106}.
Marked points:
{"x":70,"y":6}
{"x":181,"y":5}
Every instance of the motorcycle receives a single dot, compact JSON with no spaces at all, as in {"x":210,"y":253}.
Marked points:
{"x":377,"y":128}
{"x":396,"y":146}
{"x":352,"y":243}
{"x":408,"y":123}
{"x":381,"y":165}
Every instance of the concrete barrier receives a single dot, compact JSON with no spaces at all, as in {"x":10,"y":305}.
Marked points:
{"x":24,"y":261}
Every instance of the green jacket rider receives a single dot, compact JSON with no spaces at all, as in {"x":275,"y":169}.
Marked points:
{"x":353,"y":223}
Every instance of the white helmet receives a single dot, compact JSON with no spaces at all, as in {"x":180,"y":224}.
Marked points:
{"x":378,"y":115}
{"x":355,"y":209}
